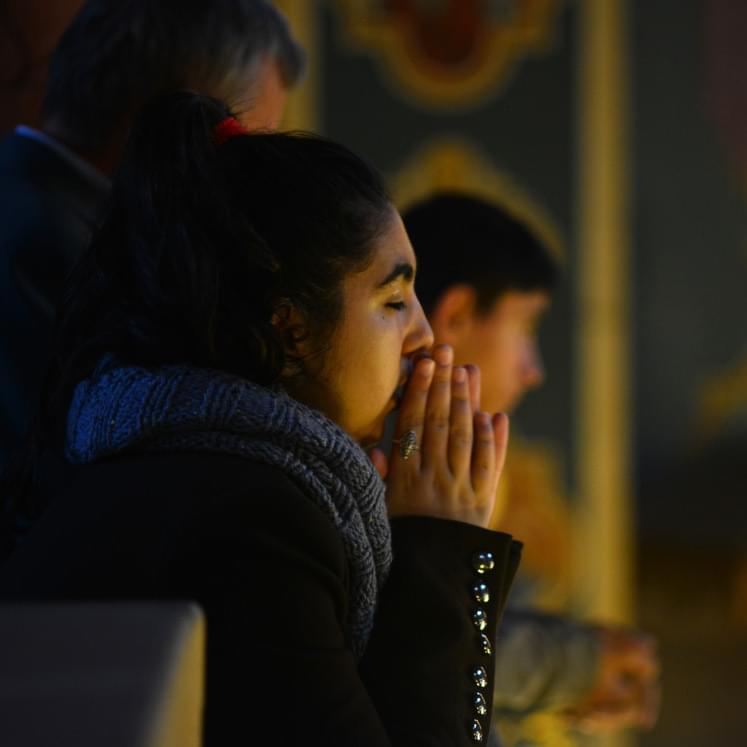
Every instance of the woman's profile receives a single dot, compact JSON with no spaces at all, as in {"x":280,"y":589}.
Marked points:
{"x":230,"y":347}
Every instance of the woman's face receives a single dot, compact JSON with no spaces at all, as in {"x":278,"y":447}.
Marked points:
{"x":381,"y":325}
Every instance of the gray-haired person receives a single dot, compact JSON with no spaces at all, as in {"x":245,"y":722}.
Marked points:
{"x":54,"y":180}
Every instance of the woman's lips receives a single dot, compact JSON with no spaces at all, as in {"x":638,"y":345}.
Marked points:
{"x":398,"y":396}
{"x":407,"y":366}
{"x":399,"y":392}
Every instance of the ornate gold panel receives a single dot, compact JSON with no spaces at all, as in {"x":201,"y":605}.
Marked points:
{"x":454,"y":163}
{"x":450,"y":53}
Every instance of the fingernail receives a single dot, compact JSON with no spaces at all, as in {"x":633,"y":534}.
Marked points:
{"x":444,"y":355}
{"x":460,"y":375}
{"x":426,"y":366}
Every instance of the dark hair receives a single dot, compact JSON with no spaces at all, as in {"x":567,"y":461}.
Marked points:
{"x":118,"y":54}
{"x":204,"y":243}
{"x":459,"y":238}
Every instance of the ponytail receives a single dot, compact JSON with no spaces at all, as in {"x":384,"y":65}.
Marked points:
{"x":208,"y":234}
{"x":163,"y":267}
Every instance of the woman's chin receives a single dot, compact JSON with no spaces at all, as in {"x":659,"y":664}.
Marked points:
{"x":370,"y":440}
{"x":374,"y":433}
{"x":371,"y":434}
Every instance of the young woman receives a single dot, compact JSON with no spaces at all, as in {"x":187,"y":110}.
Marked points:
{"x":242,"y":325}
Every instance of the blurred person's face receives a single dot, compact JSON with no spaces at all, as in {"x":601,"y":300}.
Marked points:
{"x":355,"y":378}
{"x":266,"y":101}
{"x":502,"y":342}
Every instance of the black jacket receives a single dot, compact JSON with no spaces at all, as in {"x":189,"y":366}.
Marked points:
{"x":48,"y":210}
{"x":269,"y":569}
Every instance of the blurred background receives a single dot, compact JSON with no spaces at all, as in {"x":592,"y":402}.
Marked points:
{"x":618,"y":128}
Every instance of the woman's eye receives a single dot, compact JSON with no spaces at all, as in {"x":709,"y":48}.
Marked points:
{"x":398,"y":305}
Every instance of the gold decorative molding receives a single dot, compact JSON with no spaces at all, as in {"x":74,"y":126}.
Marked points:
{"x":456,"y":164}
{"x":450,"y":53}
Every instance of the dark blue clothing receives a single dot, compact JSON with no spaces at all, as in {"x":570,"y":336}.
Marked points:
{"x":48,"y":211}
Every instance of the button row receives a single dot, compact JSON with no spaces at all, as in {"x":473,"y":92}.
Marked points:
{"x":482,"y":563}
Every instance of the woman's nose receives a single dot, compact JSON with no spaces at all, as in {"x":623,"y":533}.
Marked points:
{"x":421,"y":336}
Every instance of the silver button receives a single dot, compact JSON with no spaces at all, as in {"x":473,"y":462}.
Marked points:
{"x":483,"y":562}
{"x":480,"y":618}
{"x":480,"y":677}
{"x":481,"y":707}
{"x":481,"y":592}
{"x":475,"y":731}
{"x":485,"y":645}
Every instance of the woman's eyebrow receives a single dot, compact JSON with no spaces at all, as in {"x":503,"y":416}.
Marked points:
{"x":402,"y":269}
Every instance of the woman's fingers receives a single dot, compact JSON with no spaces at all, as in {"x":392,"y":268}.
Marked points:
{"x":473,"y":372}
{"x":460,"y":427}
{"x":453,"y":473}
{"x":483,"y":454}
{"x":489,"y":453}
{"x":438,"y":410}
{"x":500,"y":436}
{"x":412,"y":411}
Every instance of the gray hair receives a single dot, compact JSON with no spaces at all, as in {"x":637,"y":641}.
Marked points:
{"x":118,"y":54}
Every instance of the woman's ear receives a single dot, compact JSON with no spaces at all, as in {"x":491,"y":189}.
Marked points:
{"x":290,"y":323}
{"x":453,"y":313}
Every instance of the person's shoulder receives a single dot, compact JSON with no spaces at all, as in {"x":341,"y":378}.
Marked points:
{"x":38,"y":187}
{"x":42,"y":186}
{"x":137,"y":511}
{"x":28,"y":163}
{"x":185,"y":472}
{"x":217,"y":490}
{"x":22,"y":168}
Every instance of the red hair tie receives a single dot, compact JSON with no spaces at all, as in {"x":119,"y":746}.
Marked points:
{"x":228,"y":128}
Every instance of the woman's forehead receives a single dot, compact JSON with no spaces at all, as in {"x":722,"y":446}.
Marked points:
{"x":393,"y":249}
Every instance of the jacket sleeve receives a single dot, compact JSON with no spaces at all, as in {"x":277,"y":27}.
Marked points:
{"x":429,"y":664}
{"x":543,"y":662}
{"x":276,"y":600}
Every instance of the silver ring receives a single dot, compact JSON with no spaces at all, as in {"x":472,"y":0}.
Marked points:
{"x":408,"y":444}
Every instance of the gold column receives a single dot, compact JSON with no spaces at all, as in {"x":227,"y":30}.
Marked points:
{"x":603,"y":375}
{"x":603,"y":385}
{"x":302,"y":111}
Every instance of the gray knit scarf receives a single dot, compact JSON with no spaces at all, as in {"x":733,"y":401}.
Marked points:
{"x":177,"y":408}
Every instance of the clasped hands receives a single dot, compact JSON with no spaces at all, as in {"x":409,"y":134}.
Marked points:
{"x":453,"y":473}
